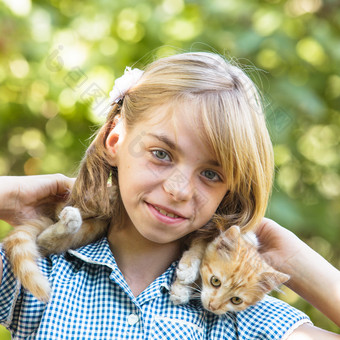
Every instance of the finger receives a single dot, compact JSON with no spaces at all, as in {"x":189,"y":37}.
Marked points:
{"x":64,"y":185}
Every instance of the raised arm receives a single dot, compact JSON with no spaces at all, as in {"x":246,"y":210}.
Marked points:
{"x":24,"y":196}
{"x":312,"y":277}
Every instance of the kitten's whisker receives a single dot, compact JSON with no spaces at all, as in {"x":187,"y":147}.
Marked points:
{"x":195,"y":296}
{"x":198,"y":290}
{"x":197,"y":285}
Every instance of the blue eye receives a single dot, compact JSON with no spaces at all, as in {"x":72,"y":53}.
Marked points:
{"x":211,"y":175}
{"x":161,"y":154}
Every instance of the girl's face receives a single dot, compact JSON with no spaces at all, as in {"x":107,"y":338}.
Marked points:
{"x":170,"y":182}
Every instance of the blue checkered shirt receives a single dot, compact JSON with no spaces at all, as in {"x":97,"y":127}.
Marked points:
{"x":91,"y":300}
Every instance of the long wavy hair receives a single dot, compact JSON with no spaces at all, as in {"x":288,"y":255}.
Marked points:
{"x":230,"y":113}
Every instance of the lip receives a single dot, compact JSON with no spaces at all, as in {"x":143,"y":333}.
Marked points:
{"x":163,"y":218}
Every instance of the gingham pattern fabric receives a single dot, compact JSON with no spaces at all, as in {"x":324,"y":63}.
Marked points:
{"x":91,"y":300}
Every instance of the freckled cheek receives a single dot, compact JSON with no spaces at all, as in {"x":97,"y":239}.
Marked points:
{"x":136,"y":169}
{"x":206,"y":209}
{"x":209,"y":199}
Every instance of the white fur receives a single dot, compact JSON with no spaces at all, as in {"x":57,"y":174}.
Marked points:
{"x":251,"y":238}
{"x":185,"y":275}
{"x":71,"y":218}
{"x":180,"y":293}
{"x":188,"y":274}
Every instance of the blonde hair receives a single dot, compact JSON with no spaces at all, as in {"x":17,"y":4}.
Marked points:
{"x":233,"y":124}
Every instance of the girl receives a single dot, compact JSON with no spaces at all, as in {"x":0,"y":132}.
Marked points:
{"x":183,"y":140}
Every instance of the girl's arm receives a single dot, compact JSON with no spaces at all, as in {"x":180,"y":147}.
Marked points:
{"x":23,"y":196}
{"x":309,"y":332}
{"x":312,"y":277}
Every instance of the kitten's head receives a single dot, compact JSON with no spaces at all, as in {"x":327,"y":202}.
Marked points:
{"x":234,"y":275}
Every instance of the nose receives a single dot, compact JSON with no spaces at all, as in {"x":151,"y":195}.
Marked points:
{"x":212,"y":306}
{"x":179,"y":186}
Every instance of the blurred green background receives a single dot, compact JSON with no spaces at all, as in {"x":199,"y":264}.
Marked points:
{"x":59,"y":59}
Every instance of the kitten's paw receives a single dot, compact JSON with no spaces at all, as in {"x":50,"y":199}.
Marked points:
{"x":71,"y":219}
{"x":179,"y":293}
{"x":188,"y":273}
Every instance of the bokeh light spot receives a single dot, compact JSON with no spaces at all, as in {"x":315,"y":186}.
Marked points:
{"x":32,"y":166}
{"x":311,"y":51}
{"x":173,"y":6}
{"x":266,"y":22}
{"x":19,"y":7}
{"x":56,"y":127}
{"x":19,"y":67}
{"x":183,"y":29}
{"x":109,"y":46}
{"x":40,"y":25}
{"x":299,"y":7}
{"x":268,"y":59}
{"x":320,"y":144}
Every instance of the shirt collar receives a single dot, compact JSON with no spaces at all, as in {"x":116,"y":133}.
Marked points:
{"x":96,"y":253}
{"x":99,"y":253}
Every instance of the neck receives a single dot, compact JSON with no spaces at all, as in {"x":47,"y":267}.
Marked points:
{"x":140,"y":260}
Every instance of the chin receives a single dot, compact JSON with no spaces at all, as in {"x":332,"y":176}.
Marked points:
{"x":157,"y":238}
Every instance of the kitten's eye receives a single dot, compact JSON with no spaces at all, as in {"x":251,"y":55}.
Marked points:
{"x":215,"y":281}
{"x":236,"y":300}
{"x":161,"y":154}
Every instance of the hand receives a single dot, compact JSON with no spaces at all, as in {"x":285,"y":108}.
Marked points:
{"x":308,"y":270}
{"x":277,"y":245}
{"x":24,"y":197}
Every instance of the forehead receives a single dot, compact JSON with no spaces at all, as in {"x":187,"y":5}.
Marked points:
{"x":182,"y":117}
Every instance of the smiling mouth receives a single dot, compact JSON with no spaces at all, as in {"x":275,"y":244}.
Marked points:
{"x":165,"y":213}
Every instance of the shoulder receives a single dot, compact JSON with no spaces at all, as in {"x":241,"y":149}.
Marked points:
{"x":269,"y":319}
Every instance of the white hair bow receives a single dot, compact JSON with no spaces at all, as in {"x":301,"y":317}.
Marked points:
{"x":123,"y":84}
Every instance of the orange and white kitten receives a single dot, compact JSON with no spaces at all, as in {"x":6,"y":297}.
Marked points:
{"x":36,"y":238}
{"x":233,"y":274}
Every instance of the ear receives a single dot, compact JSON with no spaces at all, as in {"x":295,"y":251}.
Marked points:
{"x":272,"y":280}
{"x":227,"y":241}
{"x":115,"y":135}
{"x":233,"y":232}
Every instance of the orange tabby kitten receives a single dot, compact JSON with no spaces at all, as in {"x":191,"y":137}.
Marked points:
{"x":44,"y":236}
{"x":233,"y":273}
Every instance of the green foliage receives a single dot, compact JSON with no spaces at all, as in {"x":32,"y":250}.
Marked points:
{"x":59,"y":59}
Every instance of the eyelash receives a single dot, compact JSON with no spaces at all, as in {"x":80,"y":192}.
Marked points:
{"x":155,"y":153}
{"x":216,"y":176}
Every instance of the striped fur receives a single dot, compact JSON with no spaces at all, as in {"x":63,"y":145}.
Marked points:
{"x":41,"y":237}
{"x":233,"y":273}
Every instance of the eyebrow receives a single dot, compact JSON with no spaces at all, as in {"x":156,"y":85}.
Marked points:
{"x":165,"y":139}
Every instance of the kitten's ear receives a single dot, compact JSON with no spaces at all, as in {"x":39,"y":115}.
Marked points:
{"x":228,"y":239}
{"x":272,"y":279}
{"x":233,"y":232}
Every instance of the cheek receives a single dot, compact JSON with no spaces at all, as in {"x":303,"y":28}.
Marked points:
{"x":134,"y":174}
{"x":236,"y":308}
{"x":205,"y":297}
{"x":209,"y":199}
